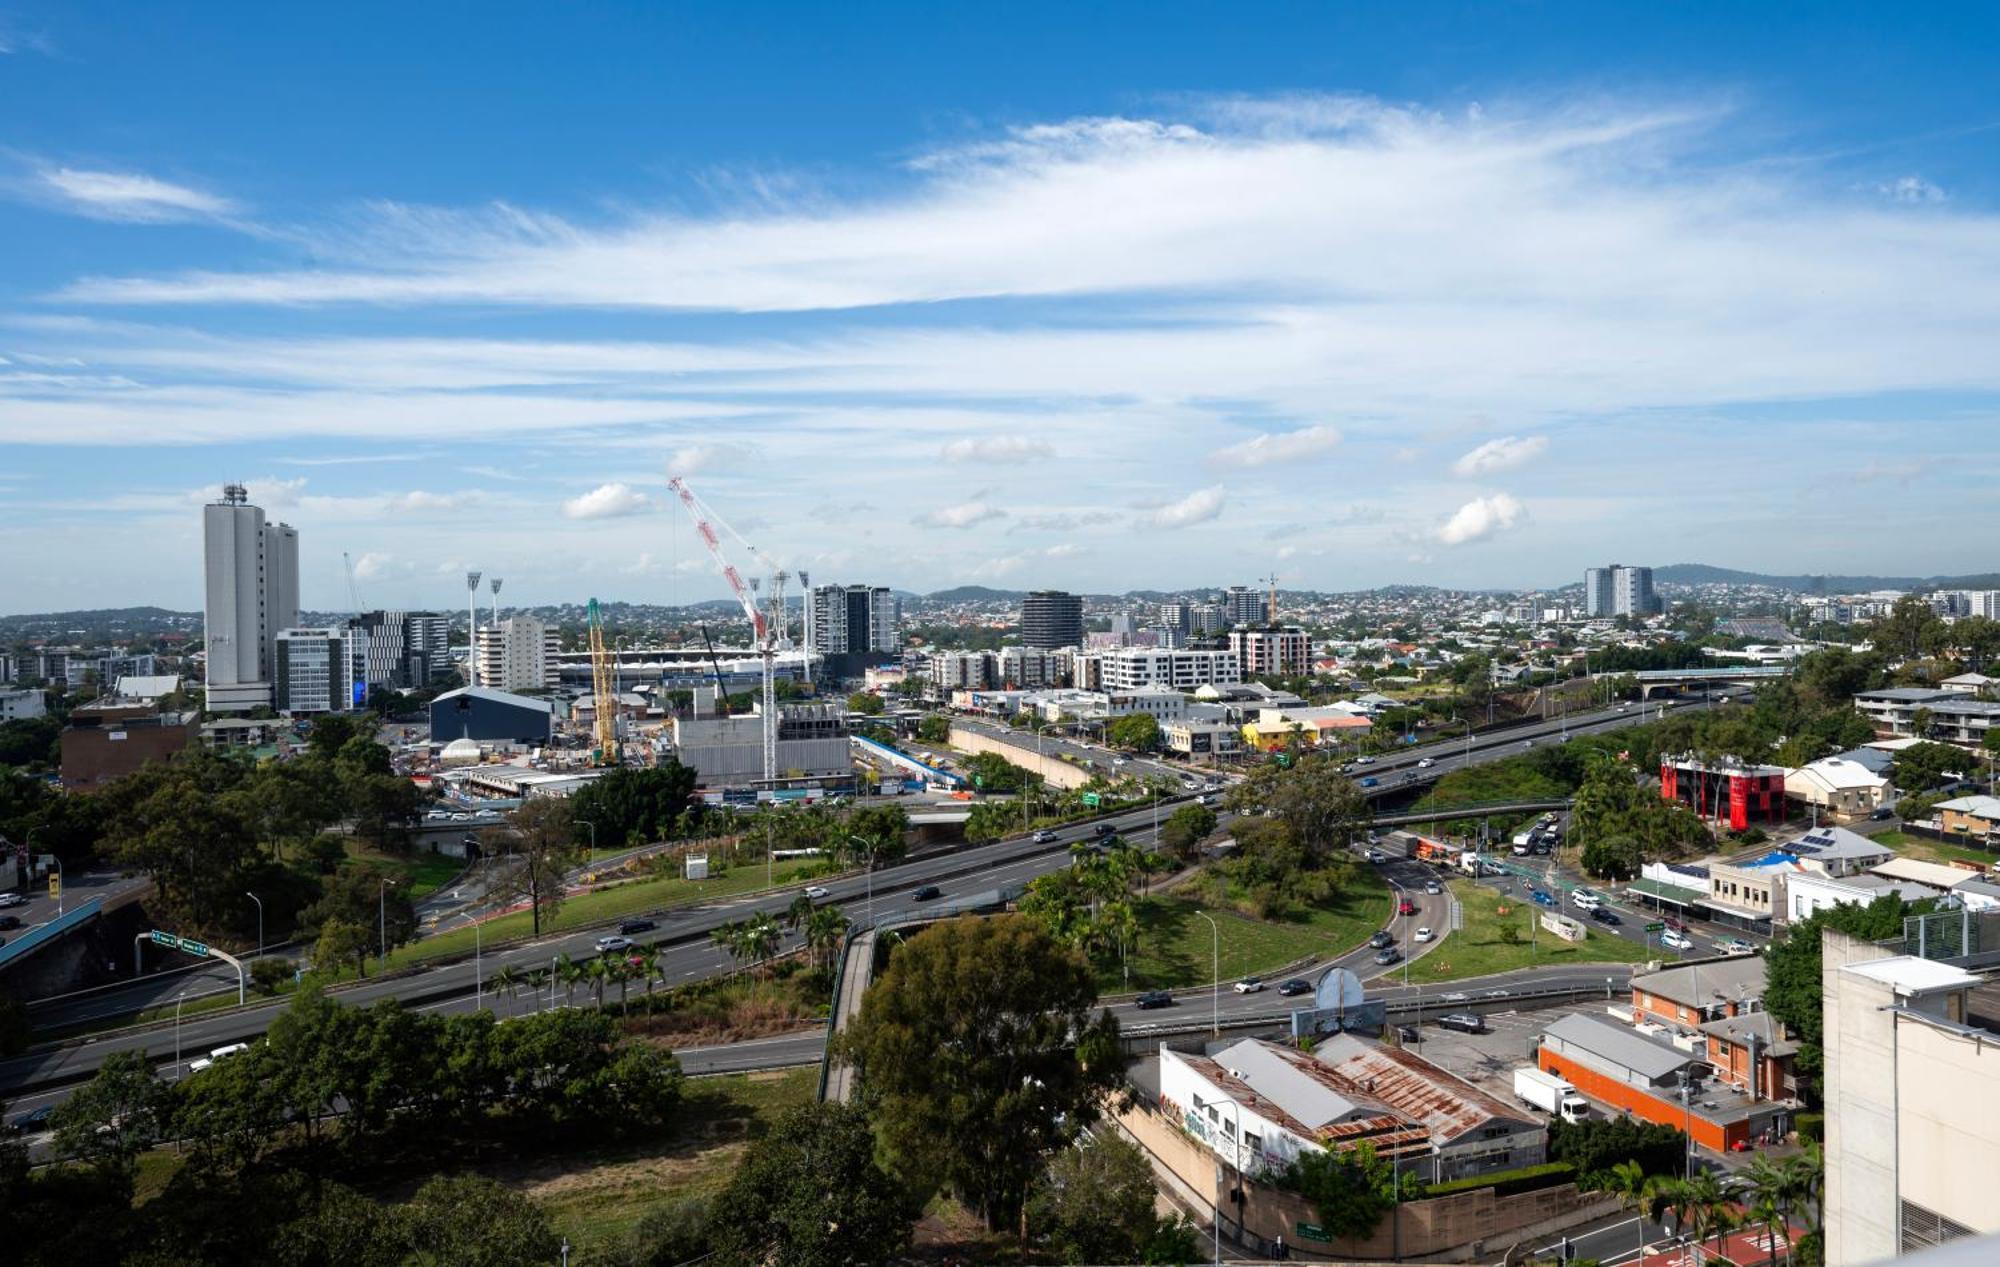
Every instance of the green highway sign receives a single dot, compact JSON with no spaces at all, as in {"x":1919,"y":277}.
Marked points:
{"x":1091,"y":800}
{"x":1312,"y":1232}
{"x":1656,"y":928}
{"x":187,"y":945}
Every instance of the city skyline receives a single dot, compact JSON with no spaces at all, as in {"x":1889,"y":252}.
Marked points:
{"x":1642,"y":291}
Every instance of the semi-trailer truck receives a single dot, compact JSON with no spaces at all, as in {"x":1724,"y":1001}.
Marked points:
{"x":1550,"y":1094}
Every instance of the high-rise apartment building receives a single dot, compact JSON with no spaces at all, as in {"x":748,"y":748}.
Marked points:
{"x":250,"y":592}
{"x":518,"y":654}
{"x":848,"y":619}
{"x":1208,"y":618}
{"x":320,"y":670}
{"x":1051,"y":619}
{"x":1242,"y":605}
{"x":1619,"y":591}
{"x":406,"y":649}
{"x":1176,"y":616}
{"x":1272,"y":650}
{"x":1132,"y":668}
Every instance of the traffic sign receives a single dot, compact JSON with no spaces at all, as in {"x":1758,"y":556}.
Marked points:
{"x":186,"y":945}
{"x":1656,"y":928}
{"x":1091,"y":800}
{"x":55,"y":886}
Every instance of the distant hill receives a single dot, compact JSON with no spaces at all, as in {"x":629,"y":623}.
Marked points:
{"x":98,"y":624}
{"x":1704,"y":574}
{"x":974,"y":594}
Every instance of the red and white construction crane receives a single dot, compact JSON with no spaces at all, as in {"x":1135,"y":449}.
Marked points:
{"x":765,"y":636}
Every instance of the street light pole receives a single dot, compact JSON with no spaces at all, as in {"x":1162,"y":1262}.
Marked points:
{"x":592,"y":857}
{"x":260,"y":918}
{"x":1215,"y":970}
{"x":382,"y":918}
{"x":177,"y":1033}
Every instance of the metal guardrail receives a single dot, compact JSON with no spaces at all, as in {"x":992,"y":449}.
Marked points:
{"x":36,"y":938}
{"x":1474,"y":809}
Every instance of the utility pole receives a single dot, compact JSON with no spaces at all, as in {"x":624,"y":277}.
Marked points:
{"x":472,"y":629}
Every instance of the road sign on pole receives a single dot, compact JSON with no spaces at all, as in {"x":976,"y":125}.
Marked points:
{"x":186,"y":945}
{"x":1655,"y":928}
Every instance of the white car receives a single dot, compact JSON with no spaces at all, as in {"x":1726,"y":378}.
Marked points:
{"x":605,"y":945}
{"x":1422,"y":934}
{"x":1678,"y":940}
{"x":818,"y":892}
{"x":1250,"y":985}
{"x":1364,"y":760}
{"x":1585,"y":900}
{"x":1425,"y":764}
{"x":10,"y":899}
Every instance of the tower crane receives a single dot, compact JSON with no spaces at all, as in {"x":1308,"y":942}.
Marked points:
{"x":604,"y":713}
{"x":353,"y":594}
{"x":764,"y":636}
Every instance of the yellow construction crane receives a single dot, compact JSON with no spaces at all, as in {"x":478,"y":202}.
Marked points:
{"x":604,"y":713}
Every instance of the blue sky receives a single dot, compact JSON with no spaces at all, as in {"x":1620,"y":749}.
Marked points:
{"x":1098,"y":297}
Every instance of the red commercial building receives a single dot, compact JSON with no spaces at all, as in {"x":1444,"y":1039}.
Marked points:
{"x":1728,"y":791}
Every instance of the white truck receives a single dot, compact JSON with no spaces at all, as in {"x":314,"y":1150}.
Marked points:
{"x":1550,"y":1094}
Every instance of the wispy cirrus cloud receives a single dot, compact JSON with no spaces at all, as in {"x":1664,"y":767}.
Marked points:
{"x":967,"y":514}
{"x":1503,"y":454}
{"x":996,"y":450}
{"x":130,"y":196}
{"x":1280,"y":446}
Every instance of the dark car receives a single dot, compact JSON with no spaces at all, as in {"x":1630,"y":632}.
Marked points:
{"x":1409,"y":1034}
{"x":33,"y":1122}
{"x":631,"y":926}
{"x":1605,"y":915}
{"x":10,"y":921}
{"x":1463,"y":1022}
{"x":1388,"y":955}
{"x":1381,"y":939}
{"x":928,"y":893}
{"x":1295,"y":987}
{"x":1155,"y":998}
{"x":1105,"y":829}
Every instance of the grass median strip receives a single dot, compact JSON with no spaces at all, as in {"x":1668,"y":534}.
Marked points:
{"x":1503,"y":933}
{"x":1177,"y":949}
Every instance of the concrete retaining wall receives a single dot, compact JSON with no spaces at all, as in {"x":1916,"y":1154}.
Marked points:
{"x":1055,"y":772}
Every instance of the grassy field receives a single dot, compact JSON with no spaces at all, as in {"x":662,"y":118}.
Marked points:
{"x":1478,"y":948}
{"x":419,"y":874}
{"x":1176,"y":947}
{"x":1925,"y":849}
{"x":612,"y":902}
{"x":595,"y":1199}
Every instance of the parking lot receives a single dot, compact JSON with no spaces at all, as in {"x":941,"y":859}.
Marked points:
{"x":1489,"y":1060}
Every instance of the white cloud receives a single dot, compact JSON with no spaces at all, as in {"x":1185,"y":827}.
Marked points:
{"x":693,"y":459}
{"x":996,"y":449}
{"x":1502,"y":454}
{"x":372,"y":565}
{"x":1199,"y":506}
{"x":1067,"y":550}
{"x":1913,"y":189}
{"x":961,"y":515}
{"x":418,"y":501}
{"x":607,"y":501}
{"x":1279,"y":446}
{"x":1481,"y":518}
{"x":131,"y":196}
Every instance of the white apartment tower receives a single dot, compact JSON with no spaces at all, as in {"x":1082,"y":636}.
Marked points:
{"x":250,"y":592}
{"x":1619,"y":591}
{"x":518,"y":654}
{"x":845,"y":619}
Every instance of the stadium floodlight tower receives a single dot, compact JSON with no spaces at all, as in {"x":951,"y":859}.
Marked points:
{"x":472,"y":629}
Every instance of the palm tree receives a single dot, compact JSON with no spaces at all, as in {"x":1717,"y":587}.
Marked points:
{"x":1629,"y":1182}
{"x":1808,"y":1172}
{"x":599,"y":972}
{"x":799,"y":911}
{"x":569,"y":972}
{"x":1770,"y":1189}
{"x":729,"y":936}
{"x":505,"y":980}
{"x":761,"y":938}
{"x":648,"y":960}
{"x":620,"y":970}
{"x":1668,"y":1196}
{"x":823,"y":932}
{"x":1708,"y":1207}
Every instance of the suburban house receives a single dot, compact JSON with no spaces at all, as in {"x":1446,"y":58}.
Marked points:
{"x":1689,"y":995}
{"x":1842,"y":787}
{"x":1977,"y":817}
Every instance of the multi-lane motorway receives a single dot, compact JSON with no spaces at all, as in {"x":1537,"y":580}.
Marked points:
{"x":688,"y":954}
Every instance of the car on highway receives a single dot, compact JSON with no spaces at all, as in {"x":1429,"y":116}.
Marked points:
{"x":1364,"y":760}
{"x":1584,"y":899}
{"x":1422,"y":934}
{"x":1381,"y":938}
{"x":1677,"y":939}
{"x":220,"y":1053}
{"x":631,"y":926}
{"x":33,"y":1122}
{"x":1432,"y":886}
{"x":1463,"y":1022}
{"x":10,"y":921}
{"x":1295,"y":987}
{"x":1377,"y":857}
{"x":1406,"y":907}
{"x":11,"y":899}
{"x":1249,"y":985}
{"x":1605,"y":915}
{"x":1736,"y":946}
{"x":1425,"y":764}
{"x":614,"y":942}
{"x":1409,"y":1034}
{"x":1368,"y":783}
{"x":1541,"y":897}
{"x":1154,"y":998}
{"x":927,"y":893}
{"x":818,"y":892}
{"x":1104,"y":829}
{"x":1044,"y":837}
{"x":1388,"y":955}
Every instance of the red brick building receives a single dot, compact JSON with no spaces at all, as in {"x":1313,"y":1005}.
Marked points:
{"x":1727,"y":791}
{"x":103,"y":744}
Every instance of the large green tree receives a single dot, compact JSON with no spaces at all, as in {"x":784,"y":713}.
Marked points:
{"x":637,"y":805}
{"x":1350,"y":1189}
{"x":1793,"y":989}
{"x":1322,"y":806}
{"x":811,"y":1194}
{"x":1095,"y":1204}
{"x":978,"y":1051}
{"x":538,"y":846}
{"x":1134,"y":732}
